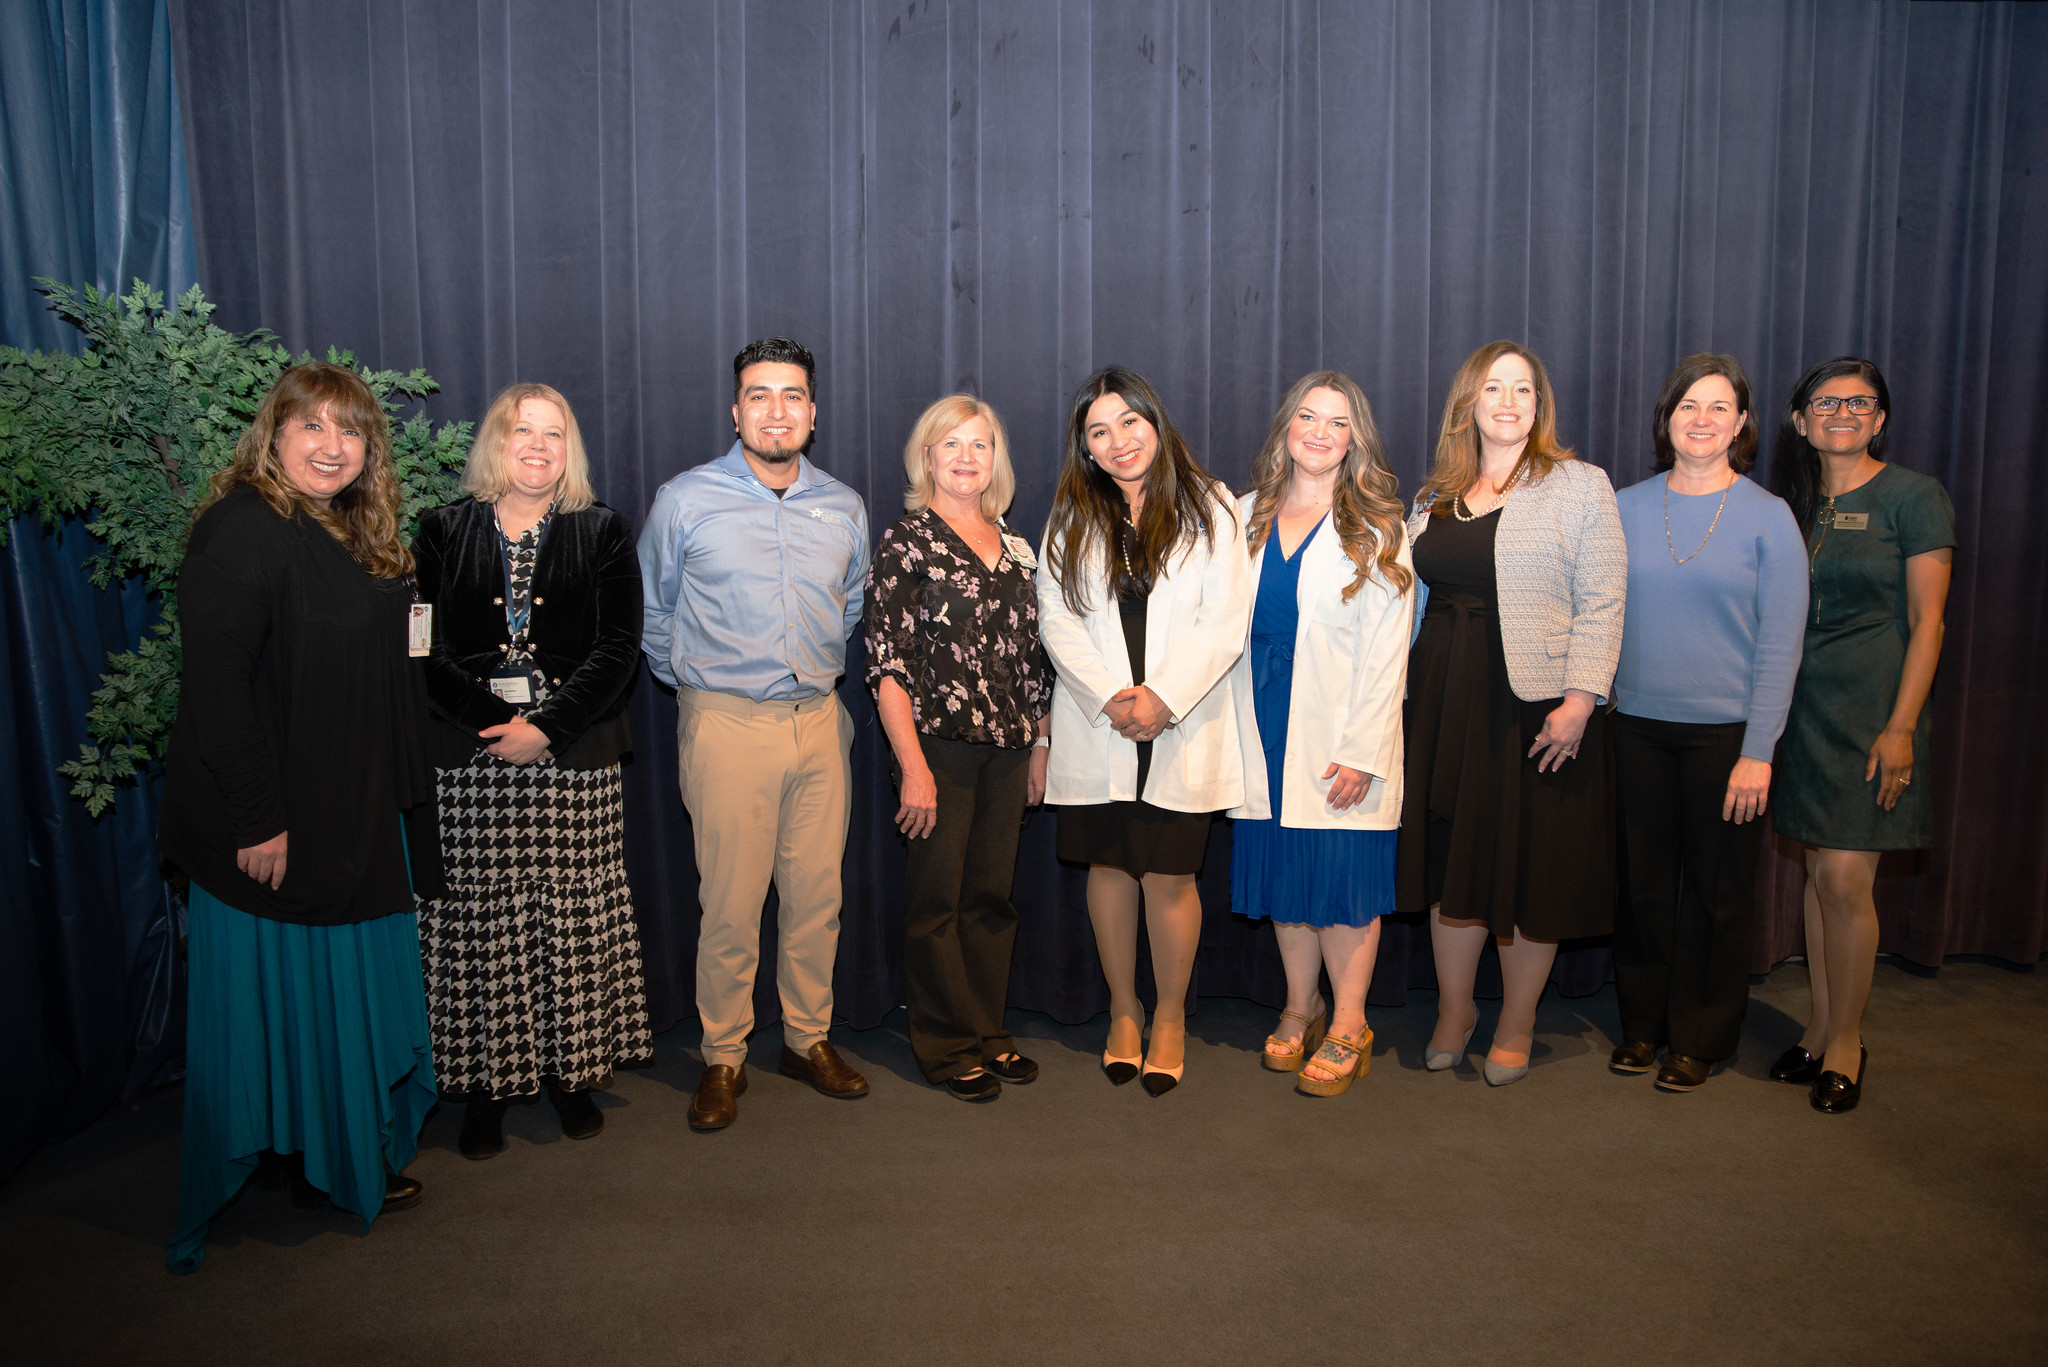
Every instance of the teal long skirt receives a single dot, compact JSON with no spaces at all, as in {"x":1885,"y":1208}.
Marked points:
{"x":299,"y":1039}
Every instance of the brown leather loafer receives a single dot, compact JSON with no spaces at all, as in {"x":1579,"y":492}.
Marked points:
{"x":1632,"y":1056}
{"x":1683,"y":1073}
{"x":717,"y":1103}
{"x":821,"y":1066}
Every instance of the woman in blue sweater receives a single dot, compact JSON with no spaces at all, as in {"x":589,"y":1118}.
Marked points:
{"x":1716,"y":607}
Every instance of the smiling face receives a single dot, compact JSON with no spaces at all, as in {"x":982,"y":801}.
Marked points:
{"x":963,"y":461}
{"x":1705,"y":421}
{"x":1840,"y":433}
{"x":537,"y":452}
{"x":319,"y":454}
{"x":1504,"y":410}
{"x":774,"y":412}
{"x":1319,"y":433}
{"x":1121,"y":441}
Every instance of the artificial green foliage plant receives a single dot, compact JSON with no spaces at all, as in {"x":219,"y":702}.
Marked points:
{"x":126,"y":437}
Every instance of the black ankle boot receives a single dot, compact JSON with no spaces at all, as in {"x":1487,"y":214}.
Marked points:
{"x":483,"y":1130}
{"x":580,"y":1117}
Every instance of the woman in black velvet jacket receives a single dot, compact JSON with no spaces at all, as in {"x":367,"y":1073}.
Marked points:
{"x":532,"y":959}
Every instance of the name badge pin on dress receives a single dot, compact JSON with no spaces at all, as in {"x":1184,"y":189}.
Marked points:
{"x":1852,"y":522}
{"x":1020,"y":550}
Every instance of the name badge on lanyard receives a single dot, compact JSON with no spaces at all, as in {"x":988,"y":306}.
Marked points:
{"x":512,"y":685}
{"x":419,"y":629}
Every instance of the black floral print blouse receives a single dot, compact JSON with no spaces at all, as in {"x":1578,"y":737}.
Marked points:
{"x":962,"y":639}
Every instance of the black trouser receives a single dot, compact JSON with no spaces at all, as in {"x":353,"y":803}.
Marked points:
{"x":1681,"y":932}
{"x":959,"y":924}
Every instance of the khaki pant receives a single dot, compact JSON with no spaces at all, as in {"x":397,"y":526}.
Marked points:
{"x":766,"y":785}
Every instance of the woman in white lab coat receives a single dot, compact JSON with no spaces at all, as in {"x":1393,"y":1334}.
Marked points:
{"x":1318,"y":697}
{"x":1142,"y":605}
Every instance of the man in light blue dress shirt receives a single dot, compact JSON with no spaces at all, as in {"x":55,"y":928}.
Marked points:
{"x":753,"y":567}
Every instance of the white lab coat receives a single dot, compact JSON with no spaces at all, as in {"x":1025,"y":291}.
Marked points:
{"x":1195,"y":623}
{"x":1350,"y":674}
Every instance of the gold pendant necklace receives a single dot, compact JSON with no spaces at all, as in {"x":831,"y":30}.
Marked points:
{"x":1710,"y":526}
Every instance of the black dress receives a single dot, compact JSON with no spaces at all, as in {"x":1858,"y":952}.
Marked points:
{"x":1136,"y":837}
{"x":1483,"y":832}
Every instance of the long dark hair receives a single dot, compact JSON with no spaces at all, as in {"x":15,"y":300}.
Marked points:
{"x":1088,"y":509}
{"x":1795,"y":465}
{"x":1689,"y":372}
{"x":1365,"y":507}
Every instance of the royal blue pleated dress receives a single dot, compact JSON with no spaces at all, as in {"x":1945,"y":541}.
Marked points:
{"x":1286,"y":873}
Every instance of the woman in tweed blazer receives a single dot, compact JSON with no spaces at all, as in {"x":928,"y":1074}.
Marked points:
{"x":1508,"y":829}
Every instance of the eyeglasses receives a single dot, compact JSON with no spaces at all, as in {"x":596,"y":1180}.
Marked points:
{"x":1862,"y":405}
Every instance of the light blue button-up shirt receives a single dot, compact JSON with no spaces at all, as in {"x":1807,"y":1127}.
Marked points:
{"x":747,"y":593}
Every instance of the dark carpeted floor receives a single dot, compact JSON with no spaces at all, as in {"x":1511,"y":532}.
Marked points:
{"x":1575,"y":1217}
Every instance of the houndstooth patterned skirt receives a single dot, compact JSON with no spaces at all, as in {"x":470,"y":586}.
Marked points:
{"x":532,"y":961}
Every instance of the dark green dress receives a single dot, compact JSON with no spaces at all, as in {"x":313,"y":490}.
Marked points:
{"x":1856,"y":637}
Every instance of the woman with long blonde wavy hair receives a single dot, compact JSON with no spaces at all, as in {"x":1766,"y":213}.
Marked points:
{"x":1318,"y":694}
{"x":299,"y":742}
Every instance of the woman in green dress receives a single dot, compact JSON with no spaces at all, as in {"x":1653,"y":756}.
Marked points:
{"x":1853,"y":778}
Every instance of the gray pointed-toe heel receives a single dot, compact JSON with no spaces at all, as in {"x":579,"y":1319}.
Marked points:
{"x":1437,"y":1061}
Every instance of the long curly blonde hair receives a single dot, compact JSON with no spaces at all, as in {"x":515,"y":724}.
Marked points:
{"x":364,"y":516}
{"x":1365,"y":507}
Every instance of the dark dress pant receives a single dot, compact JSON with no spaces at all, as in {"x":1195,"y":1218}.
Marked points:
{"x":1681,"y":938}
{"x":959,"y":925}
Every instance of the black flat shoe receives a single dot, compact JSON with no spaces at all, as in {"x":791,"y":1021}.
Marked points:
{"x":483,"y":1130}
{"x":580,"y":1117}
{"x":1796,"y":1066}
{"x":1683,"y":1073}
{"x":401,"y":1192}
{"x":1632,"y":1056}
{"x":1833,"y":1093}
{"x":980,"y":1086}
{"x":1014,"y":1069}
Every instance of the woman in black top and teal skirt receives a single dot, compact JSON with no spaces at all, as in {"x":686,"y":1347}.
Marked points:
{"x":1853,"y":774}
{"x":1318,"y":694}
{"x":1142,"y":604}
{"x":301,"y":736}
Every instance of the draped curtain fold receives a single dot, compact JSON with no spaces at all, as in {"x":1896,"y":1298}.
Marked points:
{"x":92,"y":190}
{"x":1002,"y":196}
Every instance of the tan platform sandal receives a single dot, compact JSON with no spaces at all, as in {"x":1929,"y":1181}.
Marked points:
{"x":1331,"y":1054}
{"x":1291,"y":1061}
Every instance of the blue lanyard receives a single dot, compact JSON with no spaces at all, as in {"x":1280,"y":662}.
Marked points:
{"x":515,"y":620}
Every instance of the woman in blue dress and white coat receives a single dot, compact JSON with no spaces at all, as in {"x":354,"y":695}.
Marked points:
{"x":1318,"y":696}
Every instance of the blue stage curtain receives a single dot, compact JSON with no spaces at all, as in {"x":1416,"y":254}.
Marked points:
{"x":92,"y":189}
{"x":613,"y":197}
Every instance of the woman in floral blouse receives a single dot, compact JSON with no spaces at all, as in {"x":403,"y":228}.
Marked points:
{"x":962,"y":689}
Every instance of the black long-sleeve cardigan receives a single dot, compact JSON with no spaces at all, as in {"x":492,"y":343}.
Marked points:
{"x":585,"y":630}
{"x":299,"y":712}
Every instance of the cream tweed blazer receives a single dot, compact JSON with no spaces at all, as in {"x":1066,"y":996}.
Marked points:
{"x":1562,"y":566}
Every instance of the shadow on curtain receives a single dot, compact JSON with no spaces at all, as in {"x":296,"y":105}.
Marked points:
{"x":91,"y":966}
{"x":1003,"y":196}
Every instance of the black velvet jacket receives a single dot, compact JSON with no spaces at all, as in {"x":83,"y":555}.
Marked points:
{"x":585,"y":630}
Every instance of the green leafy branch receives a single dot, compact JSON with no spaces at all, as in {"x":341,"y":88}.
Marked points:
{"x":127,"y":437}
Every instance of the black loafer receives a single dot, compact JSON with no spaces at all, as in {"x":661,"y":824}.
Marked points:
{"x":401,"y":1192}
{"x":1014,"y":1069}
{"x":1833,"y":1093}
{"x":982,"y":1086}
{"x":1796,"y":1066}
{"x":1683,"y":1073}
{"x":483,"y":1130}
{"x":1631,"y":1057}
{"x":580,"y":1117}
